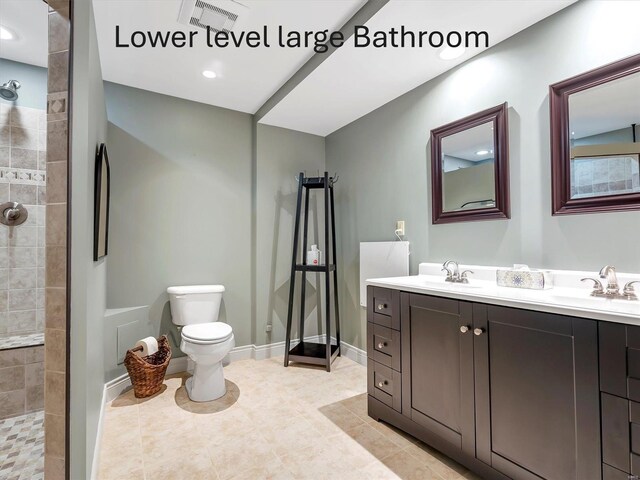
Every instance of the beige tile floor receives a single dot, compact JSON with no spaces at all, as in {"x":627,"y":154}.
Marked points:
{"x":273,"y":423}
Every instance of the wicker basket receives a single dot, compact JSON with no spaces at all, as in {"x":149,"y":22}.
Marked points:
{"x":147,"y":373}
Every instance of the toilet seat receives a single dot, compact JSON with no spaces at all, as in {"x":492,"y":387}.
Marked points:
{"x":207,"y":333}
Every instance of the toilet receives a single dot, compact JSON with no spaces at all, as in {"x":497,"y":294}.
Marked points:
{"x":204,"y":339}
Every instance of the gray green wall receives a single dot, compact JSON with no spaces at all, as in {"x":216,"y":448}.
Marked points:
{"x":383,"y":159}
{"x":88,"y":278}
{"x":180,"y":204}
{"x":201,"y":195}
{"x":33,"y":83}
{"x":281,"y":155}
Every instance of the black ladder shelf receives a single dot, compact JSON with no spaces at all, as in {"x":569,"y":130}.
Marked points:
{"x":312,"y":352}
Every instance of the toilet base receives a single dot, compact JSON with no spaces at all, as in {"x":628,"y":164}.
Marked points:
{"x":207,"y":383}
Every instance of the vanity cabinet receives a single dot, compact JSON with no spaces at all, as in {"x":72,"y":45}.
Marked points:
{"x":620,"y":400}
{"x":437,"y":367}
{"x":536,"y":393}
{"x":509,"y":393}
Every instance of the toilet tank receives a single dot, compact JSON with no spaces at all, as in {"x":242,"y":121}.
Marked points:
{"x":195,"y":303}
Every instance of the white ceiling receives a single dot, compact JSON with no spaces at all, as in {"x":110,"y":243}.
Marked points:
{"x":28,"y":19}
{"x":349,"y":84}
{"x":247,"y":77}
{"x":355,"y":81}
{"x":611,"y":106}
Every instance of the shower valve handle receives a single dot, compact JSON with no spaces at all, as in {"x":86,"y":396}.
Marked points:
{"x":13,"y":214}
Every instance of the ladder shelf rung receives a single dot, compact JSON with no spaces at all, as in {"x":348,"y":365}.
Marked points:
{"x":316,"y":182}
{"x":311,"y":352}
{"x":314,"y":268}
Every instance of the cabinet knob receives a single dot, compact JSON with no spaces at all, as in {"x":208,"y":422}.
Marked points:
{"x":478,"y":331}
{"x":382,"y":344}
{"x":382,"y":384}
{"x":382,"y":306}
{"x":464,"y":329}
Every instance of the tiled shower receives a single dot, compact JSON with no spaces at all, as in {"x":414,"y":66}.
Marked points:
{"x":22,"y":179}
{"x":22,"y":300}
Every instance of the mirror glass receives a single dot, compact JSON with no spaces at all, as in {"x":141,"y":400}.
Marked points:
{"x":604,"y":133}
{"x":468,"y":169}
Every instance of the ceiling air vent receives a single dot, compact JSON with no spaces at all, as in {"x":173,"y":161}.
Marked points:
{"x":219,"y":15}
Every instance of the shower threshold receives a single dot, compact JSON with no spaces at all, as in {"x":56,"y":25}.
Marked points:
{"x":20,"y":341}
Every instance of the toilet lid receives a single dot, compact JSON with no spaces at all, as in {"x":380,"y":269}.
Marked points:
{"x":212,"y":332}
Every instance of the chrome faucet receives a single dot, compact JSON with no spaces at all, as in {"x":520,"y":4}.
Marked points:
{"x":453,"y":274}
{"x":609,"y":273}
{"x":612,"y":289}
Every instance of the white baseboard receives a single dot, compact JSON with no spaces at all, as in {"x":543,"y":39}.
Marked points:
{"x":118,"y":385}
{"x":354,"y":353}
{"x":262,"y":352}
{"x":95,"y":462}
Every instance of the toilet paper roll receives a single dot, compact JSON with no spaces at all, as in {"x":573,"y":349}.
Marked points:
{"x":149,"y":346}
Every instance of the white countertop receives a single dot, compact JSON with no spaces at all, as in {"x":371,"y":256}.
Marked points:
{"x":563,"y":299}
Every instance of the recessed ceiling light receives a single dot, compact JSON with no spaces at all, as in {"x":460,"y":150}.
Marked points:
{"x":209,"y":74}
{"x":573,"y":133}
{"x":482,"y":152}
{"x":6,"y":34}
{"x":449,"y":53}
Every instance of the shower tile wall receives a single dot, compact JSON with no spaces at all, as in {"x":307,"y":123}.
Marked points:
{"x":604,"y":176}
{"x":22,"y":179}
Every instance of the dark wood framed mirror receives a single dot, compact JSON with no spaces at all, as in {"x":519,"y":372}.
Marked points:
{"x":595,"y":140}
{"x":470,"y":168}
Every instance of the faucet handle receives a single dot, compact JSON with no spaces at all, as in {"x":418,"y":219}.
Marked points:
{"x":628,"y":289}
{"x":463,"y":276}
{"x":597,"y":285}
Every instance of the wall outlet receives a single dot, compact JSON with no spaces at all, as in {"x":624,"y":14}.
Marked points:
{"x":268,"y":329}
{"x":400,"y":227}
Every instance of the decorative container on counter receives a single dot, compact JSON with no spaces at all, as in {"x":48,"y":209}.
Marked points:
{"x":531,"y":279}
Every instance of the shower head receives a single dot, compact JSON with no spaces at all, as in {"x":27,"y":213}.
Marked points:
{"x":9,"y":90}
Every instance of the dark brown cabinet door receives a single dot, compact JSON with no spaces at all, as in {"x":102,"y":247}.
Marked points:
{"x":537,"y":395}
{"x":437,"y":367}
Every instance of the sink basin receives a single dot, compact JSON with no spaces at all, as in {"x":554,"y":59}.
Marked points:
{"x":587,"y":299}
{"x":432,"y":284}
{"x":431,"y":281}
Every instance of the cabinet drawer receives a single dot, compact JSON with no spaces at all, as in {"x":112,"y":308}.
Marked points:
{"x":384,"y":384}
{"x":615,"y":432}
{"x":383,"y":307}
{"x":633,"y":372}
{"x":635,"y":464}
{"x":620,"y":360}
{"x":383,"y":345}
{"x":610,"y":473}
